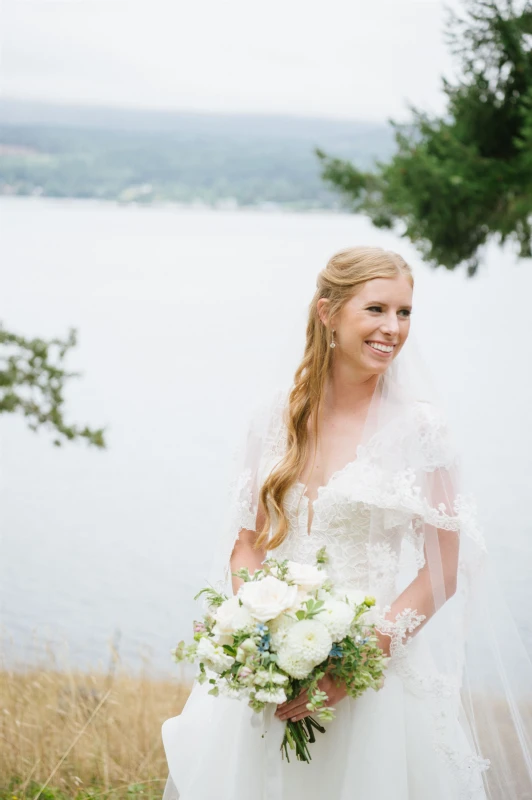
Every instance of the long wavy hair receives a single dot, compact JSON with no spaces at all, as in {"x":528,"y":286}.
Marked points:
{"x":342,"y":277}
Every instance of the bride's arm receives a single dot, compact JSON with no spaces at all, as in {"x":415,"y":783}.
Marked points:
{"x":434,"y":584}
{"x":244,"y":554}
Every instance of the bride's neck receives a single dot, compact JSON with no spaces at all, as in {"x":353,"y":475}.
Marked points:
{"x":346,"y":392}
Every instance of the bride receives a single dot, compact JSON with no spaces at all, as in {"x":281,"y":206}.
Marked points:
{"x":356,"y":455}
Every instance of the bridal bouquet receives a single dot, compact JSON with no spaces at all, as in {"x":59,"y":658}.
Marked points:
{"x":285,"y":628}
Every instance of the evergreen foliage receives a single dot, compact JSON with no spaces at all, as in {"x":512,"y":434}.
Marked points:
{"x":457,"y":181}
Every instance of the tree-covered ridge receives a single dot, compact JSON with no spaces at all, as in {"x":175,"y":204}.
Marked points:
{"x":148,"y":156}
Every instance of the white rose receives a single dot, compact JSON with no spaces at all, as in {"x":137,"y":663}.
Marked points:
{"x":231,"y":617}
{"x":267,"y":598}
{"x":307,"y":576}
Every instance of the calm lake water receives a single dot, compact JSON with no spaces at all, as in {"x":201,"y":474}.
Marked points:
{"x":185,"y":318}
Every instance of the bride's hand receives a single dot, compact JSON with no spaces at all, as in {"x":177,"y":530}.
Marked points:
{"x":296,"y":709}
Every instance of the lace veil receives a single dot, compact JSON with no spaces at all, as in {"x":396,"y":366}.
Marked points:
{"x":421,"y":553}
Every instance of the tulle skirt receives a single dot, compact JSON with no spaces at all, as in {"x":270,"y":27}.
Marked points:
{"x":381,"y":746}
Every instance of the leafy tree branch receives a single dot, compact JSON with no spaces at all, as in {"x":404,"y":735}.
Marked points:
{"x":32,"y":381}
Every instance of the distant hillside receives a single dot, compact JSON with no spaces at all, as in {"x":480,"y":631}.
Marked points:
{"x":150,"y":156}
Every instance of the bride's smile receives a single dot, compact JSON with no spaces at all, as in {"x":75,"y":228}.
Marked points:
{"x":382,"y":347}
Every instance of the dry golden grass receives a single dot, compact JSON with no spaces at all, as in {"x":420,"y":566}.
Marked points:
{"x":72,"y":730}
{"x":69,"y":734}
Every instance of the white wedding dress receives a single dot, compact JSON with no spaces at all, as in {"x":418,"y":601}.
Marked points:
{"x":408,"y":741}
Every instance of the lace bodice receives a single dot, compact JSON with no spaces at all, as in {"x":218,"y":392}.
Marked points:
{"x":369,"y":519}
{"x":341,"y":522}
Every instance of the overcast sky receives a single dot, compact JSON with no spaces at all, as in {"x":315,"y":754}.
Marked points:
{"x":361,"y":59}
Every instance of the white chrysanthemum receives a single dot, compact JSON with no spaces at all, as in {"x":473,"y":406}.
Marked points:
{"x":278,"y":629}
{"x":337,"y":617}
{"x":213,"y":656}
{"x":292,"y":664}
{"x":308,"y":577}
{"x":231,"y":617}
{"x":271,"y":695}
{"x":308,"y":640}
{"x":267,"y":598}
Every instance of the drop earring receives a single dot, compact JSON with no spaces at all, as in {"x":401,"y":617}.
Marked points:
{"x":333,"y":343}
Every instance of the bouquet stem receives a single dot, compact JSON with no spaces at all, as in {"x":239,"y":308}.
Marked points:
{"x":296,"y":736}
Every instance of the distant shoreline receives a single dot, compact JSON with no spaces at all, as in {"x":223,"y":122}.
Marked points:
{"x":169,"y":205}
{"x":206,"y":160}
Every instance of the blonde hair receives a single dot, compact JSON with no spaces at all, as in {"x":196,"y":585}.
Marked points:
{"x":342,"y":277}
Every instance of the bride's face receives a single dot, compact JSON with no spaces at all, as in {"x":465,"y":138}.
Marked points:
{"x":372,"y":327}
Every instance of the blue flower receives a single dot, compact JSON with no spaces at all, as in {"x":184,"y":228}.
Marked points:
{"x":336,"y":651}
{"x":261,"y":628}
